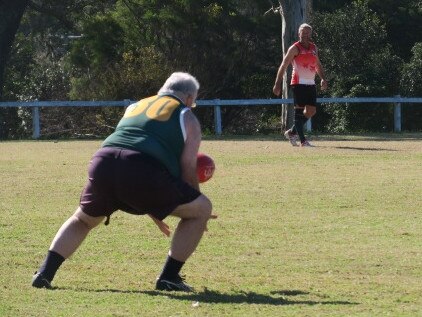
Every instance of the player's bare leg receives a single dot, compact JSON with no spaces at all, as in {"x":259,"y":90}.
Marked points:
{"x":194,"y":217}
{"x":69,"y":237}
{"x":73,"y":232}
{"x":309,"y":111}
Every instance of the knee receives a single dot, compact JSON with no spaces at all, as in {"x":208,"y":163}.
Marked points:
{"x":309,"y":115}
{"x":81,"y":222}
{"x":86,"y":221}
{"x":206,"y":208}
{"x":309,"y":112}
{"x":199,"y":209}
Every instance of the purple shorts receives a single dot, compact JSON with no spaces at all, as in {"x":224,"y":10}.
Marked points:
{"x":133,"y":182}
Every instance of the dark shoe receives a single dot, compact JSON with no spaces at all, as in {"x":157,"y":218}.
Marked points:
{"x":306,"y":144}
{"x":39,"y":281}
{"x":291,"y":137}
{"x":175,"y":284}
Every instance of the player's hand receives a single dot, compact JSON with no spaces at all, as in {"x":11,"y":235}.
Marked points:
{"x":277,"y":90}
{"x":212,"y":216}
{"x":324,"y":84}
{"x":164,"y":228}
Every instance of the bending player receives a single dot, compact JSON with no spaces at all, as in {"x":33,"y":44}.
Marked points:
{"x":147,"y":166}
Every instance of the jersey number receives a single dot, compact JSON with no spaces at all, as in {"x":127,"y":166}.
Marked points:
{"x":155,"y":108}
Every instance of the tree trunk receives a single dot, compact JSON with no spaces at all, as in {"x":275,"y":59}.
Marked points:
{"x":293,"y":14}
{"x":10,"y":16}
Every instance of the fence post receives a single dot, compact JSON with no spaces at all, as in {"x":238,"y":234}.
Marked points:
{"x":35,"y":122}
{"x":397,"y":116}
{"x":217,"y":117}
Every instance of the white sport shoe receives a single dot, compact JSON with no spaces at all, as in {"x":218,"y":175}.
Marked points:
{"x":291,"y":137}
{"x":306,"y":144}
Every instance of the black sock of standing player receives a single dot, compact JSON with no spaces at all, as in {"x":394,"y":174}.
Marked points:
{"x":300,"y":120}
{"x":51,"y":264}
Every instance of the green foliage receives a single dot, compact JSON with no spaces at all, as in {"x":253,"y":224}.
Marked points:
{"x":411,"y":85}
{"x":137,"y":74}
{"x":329,"y":5}
{"x":359,"y":63}
{"x":19,"y":68}
{"x":93,"y":59}
{"x":100,"y":44}
{"x":225,"y":46}
{"x":403,"y":23}
{"x":402,"y":20}
{"x":411,"y":79}
{"x":13,"y":121}
{"x":33,"y":76}
{"x":197,"y":36}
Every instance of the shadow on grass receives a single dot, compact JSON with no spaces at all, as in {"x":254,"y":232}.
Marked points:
{"x":405,"y":136}
{"x":358,"y":148}
{"x":215,"y":297}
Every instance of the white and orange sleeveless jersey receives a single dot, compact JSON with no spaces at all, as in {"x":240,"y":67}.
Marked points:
{"x":304,"y":65}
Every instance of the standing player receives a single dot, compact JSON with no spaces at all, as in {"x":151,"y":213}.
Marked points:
{"x":147,"y":166}
{"x":303,"y":55}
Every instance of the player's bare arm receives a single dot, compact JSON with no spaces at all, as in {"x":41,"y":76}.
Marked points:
{"x":164,"y":228}
{"x":291,"y":53}
{"x":321,"y":74}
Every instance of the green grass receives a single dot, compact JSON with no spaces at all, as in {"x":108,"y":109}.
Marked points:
{"x":334,"y":230}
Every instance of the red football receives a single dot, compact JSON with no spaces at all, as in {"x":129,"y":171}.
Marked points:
{"x":204,"y":167}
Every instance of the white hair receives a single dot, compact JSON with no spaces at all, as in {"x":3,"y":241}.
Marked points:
{"x":303,"y":26}
{"x":180,"y":83}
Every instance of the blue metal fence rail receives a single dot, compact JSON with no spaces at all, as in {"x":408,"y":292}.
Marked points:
{"x":216,"y":103}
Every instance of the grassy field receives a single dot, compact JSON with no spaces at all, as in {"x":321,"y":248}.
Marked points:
{"x":334,"y":230}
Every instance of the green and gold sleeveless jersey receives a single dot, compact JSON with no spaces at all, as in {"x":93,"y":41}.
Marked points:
{"x":153,"y":126}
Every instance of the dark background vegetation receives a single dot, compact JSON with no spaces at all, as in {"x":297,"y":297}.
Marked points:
{"x":125,"y":49}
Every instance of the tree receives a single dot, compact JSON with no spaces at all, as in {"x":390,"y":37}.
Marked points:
{"x":10,"y":16}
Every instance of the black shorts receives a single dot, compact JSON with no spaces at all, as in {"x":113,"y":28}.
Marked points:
{"x":304,"y":95}
{"x":133,"y":182}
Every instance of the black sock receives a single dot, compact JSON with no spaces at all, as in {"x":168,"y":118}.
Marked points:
{"x":51,"y":264}
{"x":171,"y":268}
{"x":299,"y":129}
{"x":300,"y":120}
